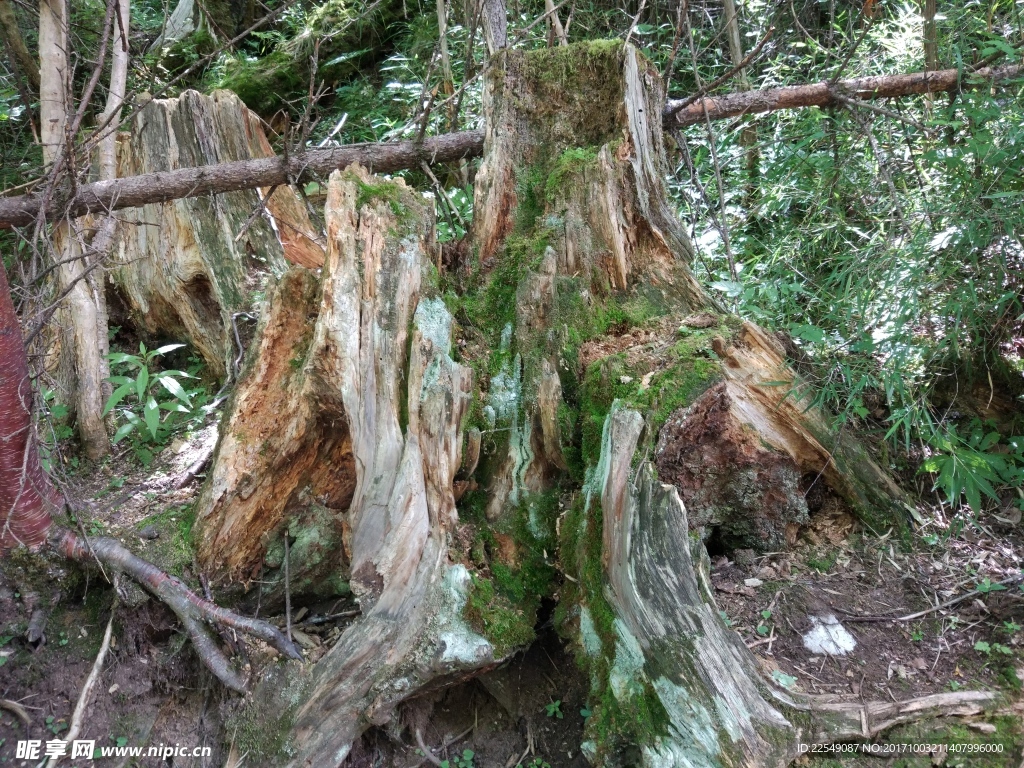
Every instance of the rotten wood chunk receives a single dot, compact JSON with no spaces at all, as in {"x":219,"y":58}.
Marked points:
{"x":185,"y":266}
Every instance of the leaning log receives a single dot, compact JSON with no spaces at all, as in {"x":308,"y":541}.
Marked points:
{"x":300,"y":168}
{"x":390,"y":157}
{"x":683,"y":112}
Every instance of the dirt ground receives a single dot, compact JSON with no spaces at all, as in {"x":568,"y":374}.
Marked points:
{"x":531,"y":712}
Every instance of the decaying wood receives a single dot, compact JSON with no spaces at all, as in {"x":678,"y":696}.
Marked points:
{"x":739,"y":453}
{"x":346,"y":435}
{"x":182,"y":266}
{"x":672,"y":643}
{"x":386,"y":158}
{"x":371,"y":380}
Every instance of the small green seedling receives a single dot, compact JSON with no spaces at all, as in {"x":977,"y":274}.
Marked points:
{"x":762,"y":628}
{"x":554,"y":709}
{"x":987,"y":585}
{"x":780,"y":677}
{"x":465,"y":760}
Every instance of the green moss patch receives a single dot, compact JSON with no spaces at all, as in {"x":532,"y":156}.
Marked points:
{"x":505,"y":597}
{"x":655,"y":386}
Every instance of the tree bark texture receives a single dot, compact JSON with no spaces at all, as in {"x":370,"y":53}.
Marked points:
{"x":76,"y":347}
{"x":11,"y":33}
{"x":345,"y":435}
{"x":386,"y":158}
{"x":26,"y":496}
{"x":449,"y":502}
{"x":182,"y":265}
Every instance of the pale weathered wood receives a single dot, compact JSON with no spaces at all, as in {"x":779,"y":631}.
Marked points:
{"x":184,"y":266}
{"x":347,"y":431}
{"x":671,"y":643}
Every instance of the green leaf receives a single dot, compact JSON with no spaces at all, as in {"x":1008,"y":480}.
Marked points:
{"x":142,"y":383}
{"x":982,"y":646}
{"x":780,"y":677}
{"x":809,"y":333}
{"x":165,"y":349}
{"x":120,"y":358}
{"x":122,"y":432}
{"x":730,"y":288}
{"x":172,"y":386}
{"x":152,"y":415}
{"x":117,"y":396}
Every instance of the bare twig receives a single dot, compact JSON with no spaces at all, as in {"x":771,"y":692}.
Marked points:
{"x":942,"y":606}
{"x":754,"y":53}
{"x":90,"y":682}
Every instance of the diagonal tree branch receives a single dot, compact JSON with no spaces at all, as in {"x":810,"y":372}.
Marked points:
{"x":106,"y":196}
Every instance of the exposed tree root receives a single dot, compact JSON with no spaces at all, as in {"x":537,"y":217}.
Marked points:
{"x":834,"y":721}
{"x":190,"y":608}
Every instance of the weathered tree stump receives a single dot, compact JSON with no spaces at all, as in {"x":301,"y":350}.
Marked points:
{"x":588,"y":334}
{"x":184,"y":266}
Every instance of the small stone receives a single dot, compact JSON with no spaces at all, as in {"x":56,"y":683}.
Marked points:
{"x":982,"y":727}
{"x":149,"y":533}
{"x":700,"y":320}
{"x":828,"y":637}
{"x":113,"y":688}
{"x":625,"y":379}
{"x":753,"y":583}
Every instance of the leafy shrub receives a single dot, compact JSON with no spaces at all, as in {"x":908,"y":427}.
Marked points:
{"x":150,"y":403}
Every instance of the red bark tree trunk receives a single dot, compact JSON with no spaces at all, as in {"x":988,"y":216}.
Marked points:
{"x":26,"y":495}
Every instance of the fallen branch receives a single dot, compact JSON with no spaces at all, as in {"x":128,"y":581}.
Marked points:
{"x":941,"y":606}
{"x":822,"y":94}
{"x":18,"y":711}
{"x":670,"y":111}
{"x":134,"y":191}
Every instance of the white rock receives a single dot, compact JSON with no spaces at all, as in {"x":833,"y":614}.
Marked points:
{"x":753,"y":582}
{"x":828,"y":636}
